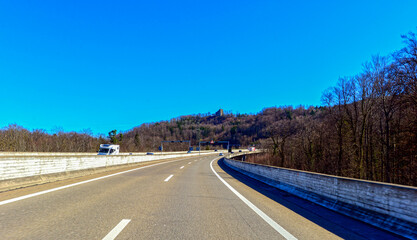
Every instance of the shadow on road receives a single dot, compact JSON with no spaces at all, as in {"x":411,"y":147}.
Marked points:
{"x":340,"y":225}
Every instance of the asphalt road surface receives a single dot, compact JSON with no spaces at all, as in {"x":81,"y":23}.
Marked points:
{"x":190,"y":198}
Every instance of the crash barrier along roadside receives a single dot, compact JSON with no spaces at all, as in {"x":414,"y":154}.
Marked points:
{"x":387,"y":206}
{"x":26,"y":169}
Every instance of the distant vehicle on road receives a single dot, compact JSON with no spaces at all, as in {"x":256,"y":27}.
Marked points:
{"x":149,"y":153}
{"x":221,"y":154}
{"x":108,"y":149}
{"x":251,"y":149}
{"x":240,"y":150}
{"x":215,"y":150}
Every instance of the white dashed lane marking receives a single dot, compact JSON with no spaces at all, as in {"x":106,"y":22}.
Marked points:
{"x":170,"y":176}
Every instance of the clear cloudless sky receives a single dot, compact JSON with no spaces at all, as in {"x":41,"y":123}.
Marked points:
{"x":104,"y":65}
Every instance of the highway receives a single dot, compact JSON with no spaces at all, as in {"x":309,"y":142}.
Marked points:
{"x":188,"y":198}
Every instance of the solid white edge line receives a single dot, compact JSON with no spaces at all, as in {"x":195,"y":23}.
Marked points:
{"x":182,"y":167}
{"x":170,"y":176}
{"x":189,"y":163}
{"x":116,"y":230}
{"x":78,"y":183}
{"x":265,"y":217}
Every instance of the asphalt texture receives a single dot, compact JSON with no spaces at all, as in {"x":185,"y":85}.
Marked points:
{"x":192,"y":204}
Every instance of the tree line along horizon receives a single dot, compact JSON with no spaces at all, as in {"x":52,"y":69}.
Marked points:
{"x":365,"y":128}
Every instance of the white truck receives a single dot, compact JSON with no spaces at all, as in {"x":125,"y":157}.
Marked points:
{"x":108,"y":149}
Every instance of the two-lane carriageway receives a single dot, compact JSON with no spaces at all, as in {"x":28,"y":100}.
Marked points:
{"x":189,"y":198}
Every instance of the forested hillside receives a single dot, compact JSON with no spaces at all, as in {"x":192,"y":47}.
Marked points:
{"x":366,"y":127}
{"x":239,"y":129}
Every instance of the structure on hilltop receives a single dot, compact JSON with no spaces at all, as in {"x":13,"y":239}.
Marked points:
{"x":219,"y":113}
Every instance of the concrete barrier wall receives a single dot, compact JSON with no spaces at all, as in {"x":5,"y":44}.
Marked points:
{"x":9,"y":154}
{"x":25,"y":169}
{"x":20,"y":166}
{"x":388,"y":206}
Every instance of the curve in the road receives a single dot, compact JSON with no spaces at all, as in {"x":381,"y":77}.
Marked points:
{"x":265,"y":217}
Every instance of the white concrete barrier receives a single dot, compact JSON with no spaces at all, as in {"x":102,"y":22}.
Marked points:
{"x":23,"y":169}
{"x":8,"y":154}
{"x":387,"y":206}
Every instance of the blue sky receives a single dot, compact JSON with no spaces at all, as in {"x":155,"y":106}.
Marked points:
{"x":104,"y":65}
